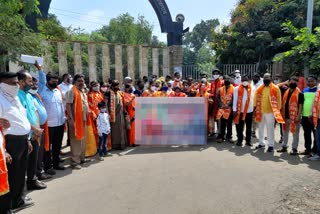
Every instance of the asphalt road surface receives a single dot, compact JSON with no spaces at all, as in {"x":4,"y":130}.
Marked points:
{"x":217,"y":178}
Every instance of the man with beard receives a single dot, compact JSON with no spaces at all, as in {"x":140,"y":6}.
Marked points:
{"x":117,"y":122}
{"x":292,"y":103}
{"x":77,"y":112}
{"x":53,"y":102}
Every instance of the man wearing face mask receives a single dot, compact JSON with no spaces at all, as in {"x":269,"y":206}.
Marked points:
{"x":225,"y":101}
{"x":177,"y":81}
{"x":17,"y":146}
{"x":53,"y":102}
{"x":44,"y":139}
{"x":129,"y":104}
{"x":256,"y":82}
{"x":306,"y":122}
{"x":237,"y":79}
{"x":66,"y":85}
{"x":213,"y":105}
{"x":291,"y":111}
{"x":243,"y":109}
{"x":26,"y":83}
{"x":267,"y":102}
{"x":77,"y":112}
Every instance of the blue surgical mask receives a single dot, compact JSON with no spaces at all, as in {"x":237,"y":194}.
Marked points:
{"x":165,"y":89}
{"x":103,"y":110}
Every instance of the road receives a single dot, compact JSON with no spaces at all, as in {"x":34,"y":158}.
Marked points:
{"x":217,"y":178}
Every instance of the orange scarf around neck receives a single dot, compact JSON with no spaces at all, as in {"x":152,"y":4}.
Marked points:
{"x":215,"y":85}
{"x":315,"y":109}
{"x":274,"y":103}
{"x":78,"y":114}
{"x":4,"y":184}
{"x":293,"y":108}
{"x":239,"y":103}
{"x":226,"y":97}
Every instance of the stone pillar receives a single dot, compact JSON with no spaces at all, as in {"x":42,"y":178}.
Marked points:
{"x":143,"y":61}
{"x":105,"y":63}
{"x":47,"y":57}
{"x":155,"y":61}
{"x":176,"y":57}
{"x":62,"y":58}
{"x":131,"y":68}
{"x":118,"y":56}
{"x":166,"y":61}
{"x":92,"y":62}
{"x":77,"y":58}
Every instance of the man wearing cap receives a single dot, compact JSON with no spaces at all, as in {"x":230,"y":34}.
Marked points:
{"x":17,"y":142}
{"x":267,"y":103}
{"x":225,"y":101}
{"x":237,"y":78}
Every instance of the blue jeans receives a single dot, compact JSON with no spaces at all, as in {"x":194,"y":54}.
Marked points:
{"x":102,"y":150}
{"x":318,"y":137}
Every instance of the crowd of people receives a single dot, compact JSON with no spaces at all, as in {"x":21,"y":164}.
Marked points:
{"x":36,"y":112}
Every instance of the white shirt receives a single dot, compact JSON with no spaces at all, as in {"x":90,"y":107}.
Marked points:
{"x":103,"y":124}
{"x":12,"y":110}
{"x":244,"y":99}
{"x":1,"y":144}
{"x":65,"y":87}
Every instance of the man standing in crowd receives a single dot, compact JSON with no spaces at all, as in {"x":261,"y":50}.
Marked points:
{"x":292,"y":103}
{"x":53,"y":102}
{"x":66,"y":84}
{"x":17,"y":143}
{"x":267,"y":102}
{"x":225,"y":101}
{"x":306,"y":122}
{"x":243,"y":109}
{"x":316,"y":122}
{"x":213,"y":105}
{"x":256,"y":80}
{"x":237,"y":78}
{"x":44,"y":139}
{"x":26,"y":83}
{"x":77,"y":111}
{"x":177,"y":81}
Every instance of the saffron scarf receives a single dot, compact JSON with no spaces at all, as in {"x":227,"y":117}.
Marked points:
{"x":78,"y":114}
{"x":293,"y":108}
{"x":226,"y":98}
{"x":215,"y":85}
{"x":113,"y":104}
{"x":274,"y":103}
{"x":315,"y":109}
{"x":4,"y":184}
{"x":239,"y":103}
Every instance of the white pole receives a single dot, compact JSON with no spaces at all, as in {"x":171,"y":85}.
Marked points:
{"x":309,"y":25}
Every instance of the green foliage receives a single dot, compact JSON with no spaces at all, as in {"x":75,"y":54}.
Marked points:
{"x":255,"y":27}
{"x":15,"y":37}
{"x":305,"y":46}
{"x":196,"y":49}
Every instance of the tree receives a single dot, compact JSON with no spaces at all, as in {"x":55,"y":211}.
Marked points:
{"x":305,"y":49}
{"x":196,"y":49}
{"x":15,"y":36}
{"x":252,"y":36}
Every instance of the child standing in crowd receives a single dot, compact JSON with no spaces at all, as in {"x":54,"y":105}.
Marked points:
{"x":103,"y":126}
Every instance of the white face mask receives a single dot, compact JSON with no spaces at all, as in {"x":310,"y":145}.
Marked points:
{"x":154,"y":88}
{"x":103,"y":110}
{"x":10,"y":89}
{"x":33,"y":91}
{"x":276,"y":81}
{"x":245,"y":83}
{"x":96,"y":88}
{"x":237,"y":74}
{"x":216,"y":76}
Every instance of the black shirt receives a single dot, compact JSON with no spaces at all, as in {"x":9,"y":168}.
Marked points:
{"x":300,"y":101}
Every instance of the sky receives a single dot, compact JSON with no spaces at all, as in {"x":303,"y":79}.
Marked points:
{"x":93,"y":14}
